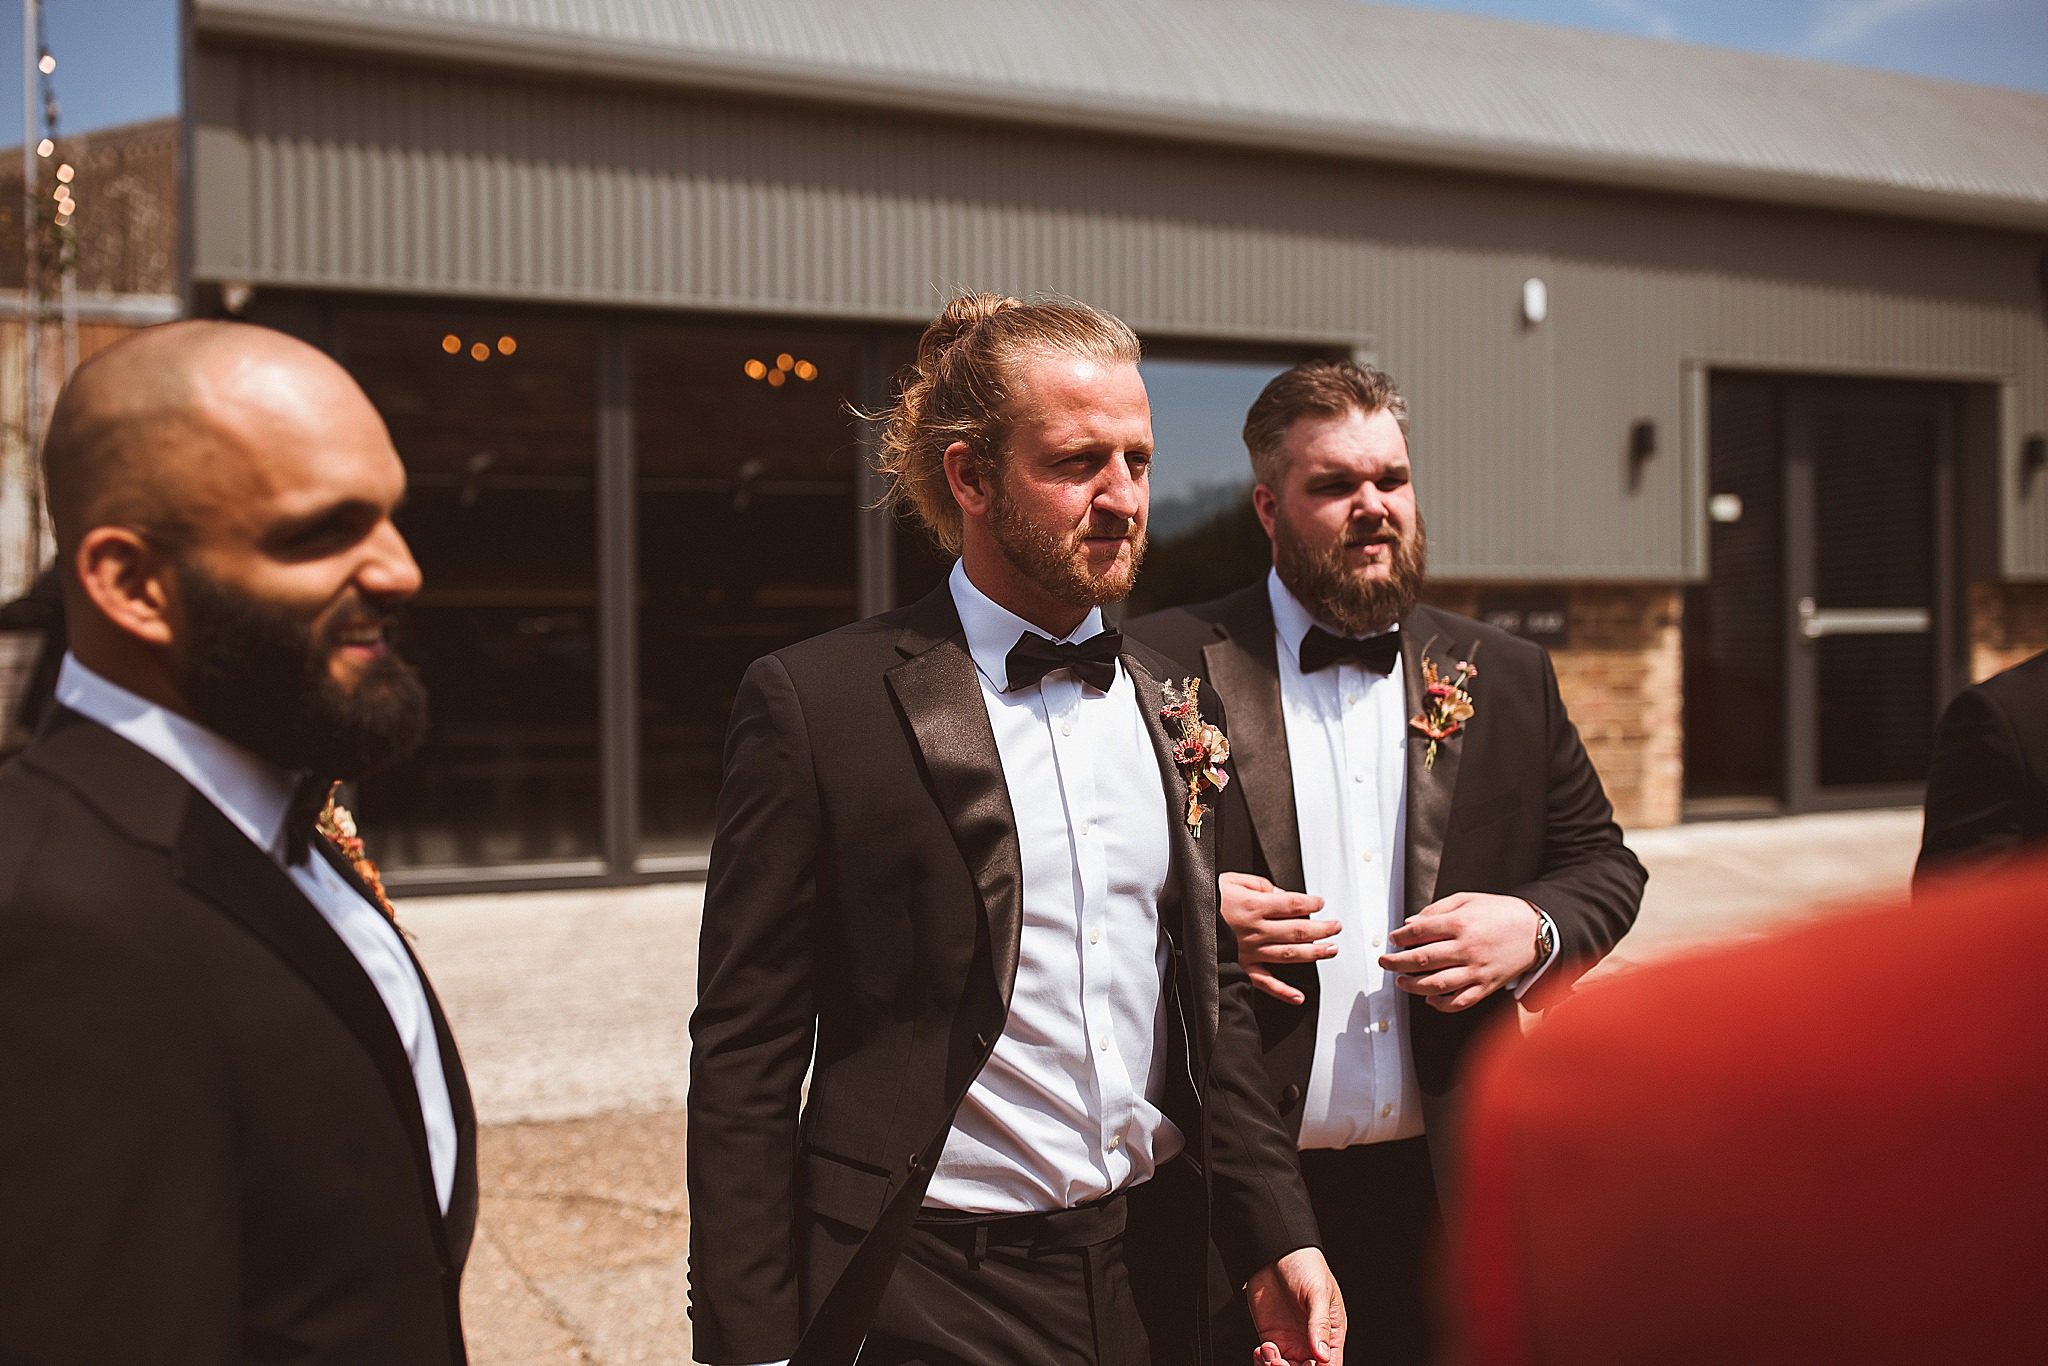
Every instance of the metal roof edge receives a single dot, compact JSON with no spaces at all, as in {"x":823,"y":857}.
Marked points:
{"x":568,"y":55}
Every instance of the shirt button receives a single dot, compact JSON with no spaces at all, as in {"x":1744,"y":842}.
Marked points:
{"x":1386,"y":1112}
{"x":1066,"y":727}
{"x":1102,"y":1043}
{"x":1084,"y":827}
{"x":1095,"y":936}
{"x":1358,"y":777}
{"x":1376,"y":941}
{"x":1115,"y":1141}
{"x":1367,"y":856}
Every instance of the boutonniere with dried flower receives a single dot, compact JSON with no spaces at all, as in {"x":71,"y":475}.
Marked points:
{"x":338,"y":828}
{"x":1201,"y":751}
{"x":1448,"y":706}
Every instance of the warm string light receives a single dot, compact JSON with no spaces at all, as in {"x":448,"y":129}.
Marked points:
{"x":479,"y":351}
{"x":778,"y":374}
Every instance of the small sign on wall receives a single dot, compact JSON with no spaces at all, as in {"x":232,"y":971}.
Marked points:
{"x":1543,"y":617}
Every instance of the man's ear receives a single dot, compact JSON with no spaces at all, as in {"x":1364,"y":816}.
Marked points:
{"x":128,"y":580}
{"x":1267,"y":504}
{"x":967,"y":479}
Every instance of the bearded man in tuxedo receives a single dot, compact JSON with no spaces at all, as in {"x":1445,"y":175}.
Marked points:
{"x":233,"y":1123}
{"x":1416,"y":839}
{"x":964,"y":876}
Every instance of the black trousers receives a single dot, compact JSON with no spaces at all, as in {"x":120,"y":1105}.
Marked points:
{"x":1048,"y":1289}
{"x":1377,"y":1206}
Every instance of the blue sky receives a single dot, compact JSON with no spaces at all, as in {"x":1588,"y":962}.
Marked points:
{"x":117,"y":59}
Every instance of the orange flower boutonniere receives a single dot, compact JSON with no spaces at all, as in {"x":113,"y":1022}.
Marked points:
{"x":1449,"y":705}
{"x":338,"y":828}
{"x":1201,"y":751}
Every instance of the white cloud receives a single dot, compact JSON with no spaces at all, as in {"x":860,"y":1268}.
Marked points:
{"x":1842,"y":23}
{"x":1653,"y":19}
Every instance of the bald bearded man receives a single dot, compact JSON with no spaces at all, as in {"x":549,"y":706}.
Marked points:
{"x":233,"y":1123}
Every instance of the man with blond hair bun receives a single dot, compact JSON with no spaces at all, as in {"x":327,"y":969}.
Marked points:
{"x":964,"y":873}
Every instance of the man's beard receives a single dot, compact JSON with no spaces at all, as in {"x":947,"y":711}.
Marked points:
{"x":258,"y":676}
{"x":1058,"y":562}
{"x":1343,"y":596}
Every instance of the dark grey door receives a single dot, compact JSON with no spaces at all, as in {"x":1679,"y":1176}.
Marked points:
{"x":1814,"y":653}
{"x":1868,"y":489}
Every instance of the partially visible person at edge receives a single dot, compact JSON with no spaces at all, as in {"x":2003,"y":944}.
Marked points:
{"x":1987,"y":786}
{"x":1754,"y":1155}
{"x":965,"y":860}
{"x":39,"y":611}
{"x":235,"y":1126}
{"x":1416,"y":839}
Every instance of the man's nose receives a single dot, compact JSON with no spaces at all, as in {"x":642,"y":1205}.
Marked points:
{"x":1370,"y":505}
{"x":389,"y":571}
{"x":1122,"y":494}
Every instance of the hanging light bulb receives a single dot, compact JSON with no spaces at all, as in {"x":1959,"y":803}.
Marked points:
{"x":755,"y":369}
{"x":451,"y":344}
{"x":45,"y":147}
{"x":479,"y":352}
{"x":47,"y":65}
{"x":65,"y":173}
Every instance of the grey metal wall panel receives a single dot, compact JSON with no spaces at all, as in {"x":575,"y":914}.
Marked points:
{"x":1325,"y":75}
{"x":430,"y":181}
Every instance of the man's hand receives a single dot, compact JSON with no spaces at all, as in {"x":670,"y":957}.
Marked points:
{"x":1462,"y":949}
{"x":1273,"y":926}
{"x":1298,"y":1310}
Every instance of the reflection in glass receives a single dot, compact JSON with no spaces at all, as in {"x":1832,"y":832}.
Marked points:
{"x":498,"y":433}
{"x":746,"y":457}
{"x":1205,"y":539}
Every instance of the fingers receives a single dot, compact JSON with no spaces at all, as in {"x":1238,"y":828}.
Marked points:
{"x":1268,"y":1355}
{"x":1449,"y":982}
{"x":1274,"y":987}
{"x":1253,"y":949}
{"x":1250,"y":882}
{"x":1437,"y":956}
{"x":1454,"y":1001}
{"x":1424,"y":928}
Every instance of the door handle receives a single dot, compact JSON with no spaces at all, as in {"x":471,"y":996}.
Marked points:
{"x":1816,"y":622}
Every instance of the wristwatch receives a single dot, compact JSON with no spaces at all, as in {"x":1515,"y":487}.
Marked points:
{"x":1546,"y":941}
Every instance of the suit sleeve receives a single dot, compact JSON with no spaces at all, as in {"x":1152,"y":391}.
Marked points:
{"x":753,"y":1030}
{"x":118,"y":1173}
{"x":1975,"y":786}
{"x":1262,"y":1211}
{"x":1591,"y":885}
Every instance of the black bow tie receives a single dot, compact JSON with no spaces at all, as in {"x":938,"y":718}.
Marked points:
{"x":309,"y":799}
{"x":1320,"y":649}
{"x":1092,"y":660}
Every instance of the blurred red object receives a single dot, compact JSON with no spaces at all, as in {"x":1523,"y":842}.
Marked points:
{"x":1828,"y":1146}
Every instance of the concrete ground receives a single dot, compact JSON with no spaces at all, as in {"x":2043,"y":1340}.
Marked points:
{"x":572,"y":1009}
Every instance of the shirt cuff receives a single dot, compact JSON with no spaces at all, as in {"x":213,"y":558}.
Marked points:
{"x":1521,"y":985}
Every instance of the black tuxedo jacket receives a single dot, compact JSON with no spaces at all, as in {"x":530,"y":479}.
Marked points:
{"x":1987,"y":787}
{"x":211,"y":1148}
{"x":863,"y":911}
{"x":1511,"y":806}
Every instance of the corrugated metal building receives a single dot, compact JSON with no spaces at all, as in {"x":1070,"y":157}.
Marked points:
{"x":1728,"y":373}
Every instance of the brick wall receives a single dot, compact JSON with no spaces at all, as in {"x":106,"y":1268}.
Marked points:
{"x":1622,"y":676}
{"x":2008,"y":623}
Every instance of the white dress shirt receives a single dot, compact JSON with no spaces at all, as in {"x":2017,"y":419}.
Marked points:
{"x":1347,"y":741}
{"x":1065,"y":1110}
{"x":255,"y":795}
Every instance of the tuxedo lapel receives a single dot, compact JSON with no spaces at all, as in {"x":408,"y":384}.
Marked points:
{"x":1431,"y":788}
{"x":145,"y":798}
{"x":940,"y":694}
{"x":217,"y":862}
{"x":1244,"y":666}
{"x":1194,"y":858}
{"x":461,"y":1216}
